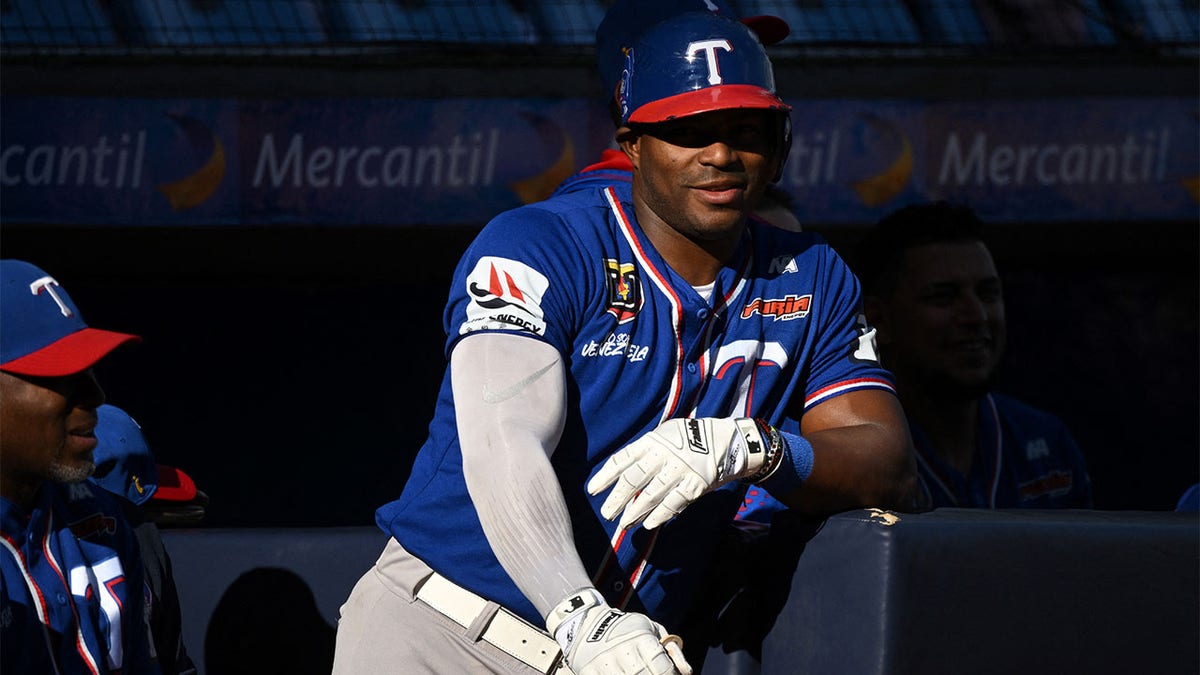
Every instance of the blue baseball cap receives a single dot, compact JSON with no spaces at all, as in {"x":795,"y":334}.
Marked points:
{"x":41,"y":330}
{"x":694,"y":63}
{"x":626,"y":20}
{"x":124,"y":463}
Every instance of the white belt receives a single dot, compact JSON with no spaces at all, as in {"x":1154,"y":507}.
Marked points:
{"x":505,"y":630}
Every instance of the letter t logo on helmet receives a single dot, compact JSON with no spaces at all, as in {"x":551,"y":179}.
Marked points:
{"x":694,"y":63}
{"x":710,"y":47}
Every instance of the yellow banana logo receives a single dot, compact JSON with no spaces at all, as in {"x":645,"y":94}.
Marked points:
{"x":1192,"y":185}
{"x":540,"y":186}
{"x":193,"y":189}
{"x":884,"y":187}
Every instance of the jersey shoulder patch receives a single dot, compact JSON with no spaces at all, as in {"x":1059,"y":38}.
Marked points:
{"x":505,"y":294}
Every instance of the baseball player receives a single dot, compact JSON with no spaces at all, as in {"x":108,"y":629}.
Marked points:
{"x":618,"y":372}
{"x":932,"y":290}
{"x":72,"y":589}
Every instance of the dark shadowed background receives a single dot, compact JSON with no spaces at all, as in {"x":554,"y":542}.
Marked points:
{"x":292,"y":371}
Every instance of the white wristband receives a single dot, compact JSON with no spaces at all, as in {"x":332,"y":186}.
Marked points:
{"x":563,"y":621}
{"x":755,"y":447}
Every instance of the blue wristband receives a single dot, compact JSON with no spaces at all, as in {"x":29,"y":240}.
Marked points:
{"x":794,"y":468}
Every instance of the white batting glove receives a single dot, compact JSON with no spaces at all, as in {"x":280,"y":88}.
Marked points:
{"x":659,"y":474}
{"x":599,"y":640}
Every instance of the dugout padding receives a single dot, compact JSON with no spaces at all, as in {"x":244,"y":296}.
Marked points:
{"x":977,"y":591}
{"x":266,"y":599}
{"x":863,"y":592}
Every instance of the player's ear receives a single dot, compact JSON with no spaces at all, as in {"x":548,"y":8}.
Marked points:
{"x":630,"y":143}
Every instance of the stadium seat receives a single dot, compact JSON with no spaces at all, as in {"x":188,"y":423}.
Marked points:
{"x":874,"y":22}
{"x":949,"y":23}
{"x":222,"y":22}
{"x":959,"y":22}
{"x":567,"y":23}
{"x":56,"y":22}
{"x":447,"y":21}
{"x":1098,"y":23}
{"x":1167,"y":21}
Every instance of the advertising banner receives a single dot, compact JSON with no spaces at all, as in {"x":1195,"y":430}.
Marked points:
{"x":401,"y":162}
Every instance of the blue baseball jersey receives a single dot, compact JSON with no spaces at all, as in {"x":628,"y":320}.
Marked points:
{"x":74,"y":591}
{"x":1024,"y":458}
{"x":781,"y":332}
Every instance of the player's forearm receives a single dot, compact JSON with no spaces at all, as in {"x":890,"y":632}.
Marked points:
{"x":527,"y":525}
{"x":510,"y":398}
{"x":861,"y":457}
{"x":861,"y":466}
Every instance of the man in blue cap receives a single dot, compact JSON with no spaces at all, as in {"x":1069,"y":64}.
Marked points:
{"x":126,"y":467}
{"x":73,"y":580}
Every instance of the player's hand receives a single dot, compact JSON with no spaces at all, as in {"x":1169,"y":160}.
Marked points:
{"x":599,"y":640}
{"x":659,"y":474}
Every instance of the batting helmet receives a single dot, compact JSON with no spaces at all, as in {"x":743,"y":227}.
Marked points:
{"x":693,"y":63}
{"x":625,"y":20}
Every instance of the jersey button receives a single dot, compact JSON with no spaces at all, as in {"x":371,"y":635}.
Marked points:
{"x":60,"y":598}
{"x":691,"y":368}
{"x":702,"y":313}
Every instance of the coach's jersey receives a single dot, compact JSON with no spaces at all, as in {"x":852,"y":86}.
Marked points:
{"x":782,"y":331}
{"x":74,"y":592}
{"x":1024,"y":458}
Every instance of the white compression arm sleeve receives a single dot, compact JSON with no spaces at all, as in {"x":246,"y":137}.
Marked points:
{"x":510,"y":402}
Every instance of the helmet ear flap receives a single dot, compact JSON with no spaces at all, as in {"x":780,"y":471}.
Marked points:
{"x":785,"y":145}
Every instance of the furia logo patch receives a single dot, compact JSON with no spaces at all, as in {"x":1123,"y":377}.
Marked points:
{"x":196,"y":187}
{"x":784,"y":309}
{"x":624,"y":290}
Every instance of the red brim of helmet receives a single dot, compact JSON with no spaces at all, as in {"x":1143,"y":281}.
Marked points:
{"x":709,"y":99}
{"x":769,"y":29}
{"x":69,"y":355}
